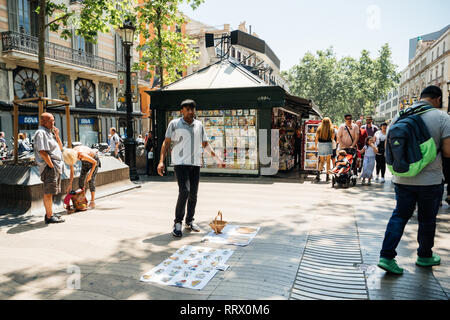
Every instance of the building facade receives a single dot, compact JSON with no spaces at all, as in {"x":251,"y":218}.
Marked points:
{"x":429,"y":66}
{"x":83,"y":73}
{"x":388,"y":107}
{"x":265,"y":65}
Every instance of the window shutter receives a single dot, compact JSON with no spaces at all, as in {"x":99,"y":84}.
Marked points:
{"x":13,"y":15}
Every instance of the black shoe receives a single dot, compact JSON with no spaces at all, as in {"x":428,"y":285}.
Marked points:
{"x":53,"y":219}
{"x":328,"y":178}
{"x":177,"y":230}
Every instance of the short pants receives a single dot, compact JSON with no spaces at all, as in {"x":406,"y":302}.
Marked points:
{"x":52,"y":180}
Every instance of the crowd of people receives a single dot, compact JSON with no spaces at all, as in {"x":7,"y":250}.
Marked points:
{"x":366,"y":144}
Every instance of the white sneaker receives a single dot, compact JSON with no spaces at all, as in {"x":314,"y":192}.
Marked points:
{"x":193,"y":227}
{"x":377,"y":178}
{"x":382,"y":180}
{"x":177,"y":230}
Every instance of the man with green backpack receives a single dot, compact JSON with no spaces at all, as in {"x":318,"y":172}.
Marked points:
{"x":417,"y":141}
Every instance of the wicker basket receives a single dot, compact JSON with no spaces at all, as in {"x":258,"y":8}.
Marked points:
{"x":218,"y":225}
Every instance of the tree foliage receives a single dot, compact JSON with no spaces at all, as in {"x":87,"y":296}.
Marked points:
{"x":165,"y":51}
{"x":346,"y":85}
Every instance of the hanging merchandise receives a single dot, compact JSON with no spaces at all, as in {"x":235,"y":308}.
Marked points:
{"x":310,"y":155}
{"x":286,"y":123}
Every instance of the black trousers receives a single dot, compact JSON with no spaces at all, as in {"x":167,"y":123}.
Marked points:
{"x":381,"y":164}
{"x":188,"y":178}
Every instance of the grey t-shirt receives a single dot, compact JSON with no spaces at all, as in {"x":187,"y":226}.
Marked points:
{"x":187,"y":138}
{"x":45,"y":140}
{"x":438,"y":124}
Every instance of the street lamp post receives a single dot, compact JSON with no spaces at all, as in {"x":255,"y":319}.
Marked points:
{"x":127,"y":34}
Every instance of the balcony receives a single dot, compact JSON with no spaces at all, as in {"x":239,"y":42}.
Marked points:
{"x":13,"y":41}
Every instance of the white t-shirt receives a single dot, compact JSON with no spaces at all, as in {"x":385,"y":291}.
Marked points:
{"x":113,"y":140}
{"x":380,"y":137}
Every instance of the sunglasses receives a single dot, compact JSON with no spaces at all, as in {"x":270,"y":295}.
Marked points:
{"x":348,"y":118}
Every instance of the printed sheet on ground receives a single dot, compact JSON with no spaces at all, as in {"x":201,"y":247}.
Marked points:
{"x":190,"y":267}
{"x":233,"y":234}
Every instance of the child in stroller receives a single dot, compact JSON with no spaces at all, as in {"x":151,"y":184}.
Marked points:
{"x":342,"y":164}
{"x":342,"y":172}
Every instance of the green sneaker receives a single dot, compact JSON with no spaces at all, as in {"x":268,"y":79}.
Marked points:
{"x":390,"y":265}
{"x":429,"y":262}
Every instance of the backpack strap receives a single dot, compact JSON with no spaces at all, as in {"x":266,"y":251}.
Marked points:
{"x":415,"y":111}
{"x":349,"y":134}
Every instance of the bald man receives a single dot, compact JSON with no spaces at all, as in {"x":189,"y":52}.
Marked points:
{"x":47,"y":151}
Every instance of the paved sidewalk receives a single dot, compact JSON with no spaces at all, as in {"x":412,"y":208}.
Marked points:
{"x":129,"y":233}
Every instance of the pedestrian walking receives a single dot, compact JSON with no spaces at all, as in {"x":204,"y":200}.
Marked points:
{"x":188,"y":135}
{"x":380,"y":141}
{"x":369,"y":151}
{"x":324,"y":146}
{"x":90,"y":163}
{"x":370,"y":127}
{"x":361,"y":143}
{"x":150,"y":153}
{"x":424,"y":189}
{"x":335,"y":145}
{"x":114,"y":143}
{"x":48,"y":154}
{"x":297,"y":142}
{"x":348,"y":135}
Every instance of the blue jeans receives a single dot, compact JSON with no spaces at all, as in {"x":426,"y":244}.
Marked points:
{"x":428,"y":199}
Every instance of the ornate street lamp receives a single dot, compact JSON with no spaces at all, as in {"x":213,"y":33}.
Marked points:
{"x":126,"y":32}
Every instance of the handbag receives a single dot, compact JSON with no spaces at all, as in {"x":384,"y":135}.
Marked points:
{"x":79,"y":200}
{"x":150,"y":155}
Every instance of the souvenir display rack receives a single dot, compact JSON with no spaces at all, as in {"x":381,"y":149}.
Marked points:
{"x":287,"y":123}
{"x":310,"y":155}
{"x":233,"y":136}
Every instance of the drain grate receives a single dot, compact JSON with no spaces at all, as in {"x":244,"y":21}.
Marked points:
{"x":329,"y":266}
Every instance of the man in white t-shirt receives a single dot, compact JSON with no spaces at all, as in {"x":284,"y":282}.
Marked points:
{"x":189,"y":136}
{"x":114,"y":143}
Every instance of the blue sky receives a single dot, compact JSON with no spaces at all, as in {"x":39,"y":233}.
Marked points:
{"x":293,"y":27}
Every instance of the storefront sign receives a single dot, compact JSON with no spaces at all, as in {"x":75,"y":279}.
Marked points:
{"x":28,"y":120}
{"x":86,"y":121}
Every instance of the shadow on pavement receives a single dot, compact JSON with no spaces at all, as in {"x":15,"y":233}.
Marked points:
{"x":27,"y":227}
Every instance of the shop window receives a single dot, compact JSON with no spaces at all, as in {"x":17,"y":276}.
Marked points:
{"x":88,"y":131}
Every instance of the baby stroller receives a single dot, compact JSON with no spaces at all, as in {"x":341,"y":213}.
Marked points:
{"x":346,"y":177}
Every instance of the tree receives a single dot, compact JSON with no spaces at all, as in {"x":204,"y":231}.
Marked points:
{"x":343,"y":86}
{"x":166,"y":51}
{"x":86,"y":19}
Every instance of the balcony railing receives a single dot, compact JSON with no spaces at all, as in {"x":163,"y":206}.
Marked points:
{"x":29,"y":44}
